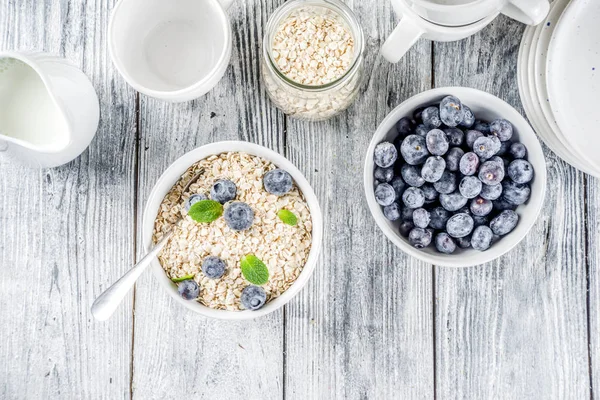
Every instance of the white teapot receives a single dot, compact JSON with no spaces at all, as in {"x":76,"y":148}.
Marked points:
{"x":49,"y":110}
{"x":450,"y":20}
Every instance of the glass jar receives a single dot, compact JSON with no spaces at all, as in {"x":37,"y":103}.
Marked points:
{"x":313,"y":102}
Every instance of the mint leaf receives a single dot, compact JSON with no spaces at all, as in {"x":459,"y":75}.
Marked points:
{"x":254,"y":270}
{"x":183,"y":278}
{"x":288,"y":217}
{"x":205,"y":211}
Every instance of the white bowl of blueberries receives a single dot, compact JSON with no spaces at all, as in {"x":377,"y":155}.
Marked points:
{"x":455,"y":177}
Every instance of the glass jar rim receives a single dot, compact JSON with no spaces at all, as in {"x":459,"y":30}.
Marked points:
{"x":337,"y":6}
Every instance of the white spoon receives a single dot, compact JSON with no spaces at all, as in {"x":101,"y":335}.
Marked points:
{"x":106,"y":304}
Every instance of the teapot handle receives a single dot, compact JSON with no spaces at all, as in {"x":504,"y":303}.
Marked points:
{"x":404,"y":36}
{"x":529,"y":12}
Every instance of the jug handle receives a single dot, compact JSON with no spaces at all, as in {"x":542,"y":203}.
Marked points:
{"x":404,"y":36}
{"x":226,"y":3}
{"x":529,"y":12}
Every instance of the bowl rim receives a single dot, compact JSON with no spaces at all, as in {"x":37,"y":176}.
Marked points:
{"x":170,"y":176}
{"x":523,"y":128}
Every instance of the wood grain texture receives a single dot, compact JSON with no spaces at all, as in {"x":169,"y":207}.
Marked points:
{"x":593,"y":265}
{"x":515,"y":328}
{"x":362,"y":328}
{"x":66,"y":233}
{"x":178,"y":354}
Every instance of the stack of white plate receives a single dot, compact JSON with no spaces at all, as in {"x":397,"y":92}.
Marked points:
{"x":559,"y":81}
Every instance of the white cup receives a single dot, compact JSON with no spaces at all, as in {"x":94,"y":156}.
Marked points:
{"x":454,"y":20}
{"x":175,"y":50}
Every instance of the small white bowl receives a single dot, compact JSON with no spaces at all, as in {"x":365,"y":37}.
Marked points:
{"x":172,"y":175}
{"x":487,"y":107}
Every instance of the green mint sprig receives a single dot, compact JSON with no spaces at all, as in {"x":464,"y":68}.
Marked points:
{"x":254,"y":270}
{"x":206,"y":211}
{"x":288,"y":217}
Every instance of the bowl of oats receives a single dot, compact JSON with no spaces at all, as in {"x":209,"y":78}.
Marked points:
{"x":246,"y":233}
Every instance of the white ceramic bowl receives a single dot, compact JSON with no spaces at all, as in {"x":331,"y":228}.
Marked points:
{"x":487,"y":107}
{"x":172,"y":175}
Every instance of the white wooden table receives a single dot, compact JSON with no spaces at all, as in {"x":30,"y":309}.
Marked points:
{"x":371,"y":324}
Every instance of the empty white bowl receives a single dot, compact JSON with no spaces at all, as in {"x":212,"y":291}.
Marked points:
{"x":172,"y":175}
{"x":486,"y":107}
{"x":174,"y":50}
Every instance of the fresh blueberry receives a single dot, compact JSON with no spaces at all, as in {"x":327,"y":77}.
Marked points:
{"x":520,"y":171}
{"x":193,"y":199}
{"x":385,"y":194}
{"x":459,"y":225}
{"x":502,"y":129}
{"x":481,"y":207}
{"x":431,"y":117}
{"x":407,"y":214}
{"x":433,"y":169}
{"x":213,"y":267}
{"x":384,"y":174}
{"x":471,"y":136}
{"x":478,"y":221}
{"x":444,"y":243}
{"x":421,"y":130}
{"x":385,"y":155}
{"x":398,"y":185}
{"x":518,"y":150}
{"x":501,"y":204}
{"x":421,"y":218}
{"x":414,"y":149}
{"x":464,"y":242}
{"x":491,"y":192}
{"x":481,"y":126}
{"x":188,"y":289}
{"x":491,"y":173}
{"x":504,"y":223}
{"x":223,"y":191}
{"x":453,"y":201}
{"x":392,"y":212}
{"x":446,"y":184}
{"x":470,"y":187}
{"x":405,"y":228}
{"x":253,"y":297}
{"x":464,"y":210}
{"x":468,"y":119}
{"x":515,"y":193}
{"x":453,"y":157}
{"x":413,"y":197}
{"x":481,"y":239}
{"x":404,"y":126}
{"x":437,"y":142}
{"x":412,"y":175}
{"x":430,"y":193}
{"x":419,"y":238}
{"x":485,"y":147}
{"x":468,"y":163}
{"x":455,"y":136}
{"x":279,"y":182}
{"x":239,"y":216}
{"x":439,"y":216}
{"x":452,"y":112}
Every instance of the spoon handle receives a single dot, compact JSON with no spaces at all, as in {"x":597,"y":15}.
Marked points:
{"x":106,"y":304}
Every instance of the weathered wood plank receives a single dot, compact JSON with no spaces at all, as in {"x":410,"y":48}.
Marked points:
{"x":515,"y":328}
{"x":179,"y":354}
{"x":593,"y":263}
{"x":66,"y":233}
{"x":363,"y":326}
